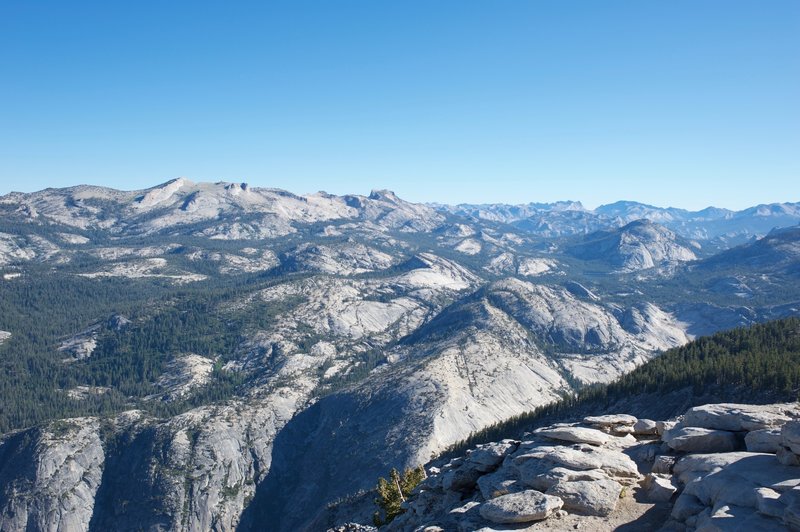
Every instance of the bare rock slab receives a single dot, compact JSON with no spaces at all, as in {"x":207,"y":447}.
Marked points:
{"x":663,"y":464}
{"x":763,"y":441}
{"x":645,"y":427}
{"x":611,"y":420}
{"x":488,"y":456}
{"x":522,"y":507}
{"x":736,"y":417}
{"x":791,"y":436}
{"x":659,"y":489}
{"x":590,"y":497}
{"x":701,"y":440}
{"x":585,"y":457}
{"x":575,"y":434}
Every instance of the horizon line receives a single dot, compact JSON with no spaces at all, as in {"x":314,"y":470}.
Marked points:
{"x":401,"y":197}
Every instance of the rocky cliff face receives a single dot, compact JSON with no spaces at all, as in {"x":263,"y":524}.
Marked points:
{"x":50,"y":476}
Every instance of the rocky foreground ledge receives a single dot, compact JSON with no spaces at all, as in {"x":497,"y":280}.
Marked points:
{"x":718,"y":467}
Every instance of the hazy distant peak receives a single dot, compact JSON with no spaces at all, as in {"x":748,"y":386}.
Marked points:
{"x":384,"y":195}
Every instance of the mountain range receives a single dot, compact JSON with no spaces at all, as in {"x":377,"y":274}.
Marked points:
{"x":215,"y":356}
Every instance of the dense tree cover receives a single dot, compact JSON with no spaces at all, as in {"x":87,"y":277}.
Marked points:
{"x":758,"y":364}
{"x":43,"y":308}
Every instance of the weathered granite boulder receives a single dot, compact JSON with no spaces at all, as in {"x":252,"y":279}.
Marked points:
{"x":663,"y":426}
{"x":611,"y":420}
{"x":700,"y":440}
{"x":663,"y":464}
{"x":488,"y":456}
{"x":763,"y":440}
{"x":585,"y":457}
{"x":590,"y":497}
{"x":686,"y":506}
{"x":462,"y":478}
{"x":659,"y":488}
{"x":731,"y":517}
{"x":522,"y":507}
{"x":500,"y":482}
{"x":747,"y":484}
{"x":575,"y":434}
{"x":791,"y":517}
{"x":645,"y":427}
{"x":544,"y":481}
{"x":790,"y":433}
{"x":767,"y":502}
{"x":786,"y":457}
{"x":736,"y":417}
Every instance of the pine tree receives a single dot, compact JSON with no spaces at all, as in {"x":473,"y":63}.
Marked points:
{"x":392,"y":492}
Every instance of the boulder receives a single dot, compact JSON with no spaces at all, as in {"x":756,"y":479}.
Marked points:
{"x":543,"y":481}
{"x":767,"y":502}
{"x":736,"y":417}
{"x":611,"y":420}
{"x":645,"y":427}
{"x":700,"y":440}
{"x":620,"y":430}
{"x":663,"y":464}
{"x":786,"y":457}
{"x":791,"y":517}
{"x":590,"y":497}
{"x":463,"y":478}
{"x":734,"y":479}
{"x":462,"y":518}
{"x":791,"y":436}
{"x":501,"y":482}
{"x":531,"y":469}
{"x":429,"y":501}
{"x":663,"y":426}
{"x":763,"y":441}
{"x":488,"y":456}
{"x":645,"y":453}
{"x":659,"y":489}
{"x":734,"y":518}
{"x":585,"y":457}
{"x":686,"y":506}
{"x":791,"y":496}
{"x":522,"y":507}
{"x":575,"y":434}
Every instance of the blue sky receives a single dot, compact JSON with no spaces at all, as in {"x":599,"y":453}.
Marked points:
{"x":682,"y":103}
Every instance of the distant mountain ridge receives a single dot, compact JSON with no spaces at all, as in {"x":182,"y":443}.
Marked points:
{"x":198,"y":347}
{"x":712,"y":223}
{"x":183,"y":201}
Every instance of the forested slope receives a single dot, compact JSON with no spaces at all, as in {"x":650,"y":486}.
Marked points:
{"x":757,"y":364}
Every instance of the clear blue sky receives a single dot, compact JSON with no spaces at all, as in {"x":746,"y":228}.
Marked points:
{"x":683,"y":103}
